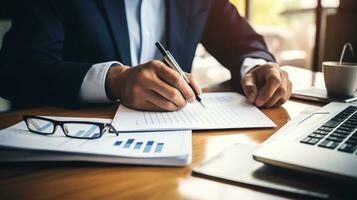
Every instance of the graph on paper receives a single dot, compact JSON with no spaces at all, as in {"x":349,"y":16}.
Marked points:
{"x":145,"y":147}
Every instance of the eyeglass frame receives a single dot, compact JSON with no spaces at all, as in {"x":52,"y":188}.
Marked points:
{"x":57,"y":123}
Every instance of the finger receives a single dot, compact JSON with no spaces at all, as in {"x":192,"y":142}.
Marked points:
{"x":279,"y":93}
{"x":286,"y":97}
{"x":139,"y":102}
{"x":194,"y":84}
{"x":272,"y":83}
{"x":249,"y":87}
{"x":148,"y":106}
{"x":174,"y":79}
{"x":168,"y":92}
{"x":161,"y":102}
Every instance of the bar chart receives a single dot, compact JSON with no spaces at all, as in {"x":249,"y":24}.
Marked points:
{"x":144,"y":146}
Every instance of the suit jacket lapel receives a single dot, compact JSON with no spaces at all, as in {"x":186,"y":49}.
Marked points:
{"x":116,"y":16}
{"x":176,"y":12}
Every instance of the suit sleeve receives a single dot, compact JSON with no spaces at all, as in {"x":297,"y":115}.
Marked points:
{"x":33,"y":71}
{"x":230,"y":39}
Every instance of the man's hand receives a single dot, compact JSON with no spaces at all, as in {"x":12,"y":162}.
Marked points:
{"x":267,"y":86}
{"x":150,"y":86}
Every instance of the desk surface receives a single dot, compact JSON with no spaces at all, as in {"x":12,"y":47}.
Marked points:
{"x":103,"y":181}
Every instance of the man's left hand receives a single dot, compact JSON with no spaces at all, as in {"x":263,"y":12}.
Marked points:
{"x":267,"y":86}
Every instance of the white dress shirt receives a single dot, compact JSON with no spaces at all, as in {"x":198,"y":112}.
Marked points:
{"x":143,"y":33}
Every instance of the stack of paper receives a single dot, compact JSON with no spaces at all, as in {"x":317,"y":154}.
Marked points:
{"x":149,"y":148}
{"x":222,"y":111}
{"x":166,"y":142}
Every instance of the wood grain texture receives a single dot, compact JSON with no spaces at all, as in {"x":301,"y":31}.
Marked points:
{"x":79,"y":180}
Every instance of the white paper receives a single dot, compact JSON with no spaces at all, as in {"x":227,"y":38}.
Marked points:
{"x":223,"y":111}
{"x":172,"y":143}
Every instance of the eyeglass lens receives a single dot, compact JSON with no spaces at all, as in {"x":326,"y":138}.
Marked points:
{"x":40,"y":125}
{"x":82,"y":130}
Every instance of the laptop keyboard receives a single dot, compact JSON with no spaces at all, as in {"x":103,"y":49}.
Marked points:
{"x":338,"y":133}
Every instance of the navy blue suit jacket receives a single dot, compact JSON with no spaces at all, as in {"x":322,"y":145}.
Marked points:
{"x":53,"y":43}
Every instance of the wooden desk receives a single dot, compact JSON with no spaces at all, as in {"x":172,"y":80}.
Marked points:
{"x":103,"y":181}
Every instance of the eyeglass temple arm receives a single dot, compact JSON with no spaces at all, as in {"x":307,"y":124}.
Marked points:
{"x":111,"y":128}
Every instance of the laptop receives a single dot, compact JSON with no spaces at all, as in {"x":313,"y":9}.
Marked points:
{"x":323,"y":143}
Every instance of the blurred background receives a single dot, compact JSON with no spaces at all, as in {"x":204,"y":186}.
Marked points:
{"x":299,"y":33}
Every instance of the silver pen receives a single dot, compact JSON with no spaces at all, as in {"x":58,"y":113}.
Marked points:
{"x":170,"y":60}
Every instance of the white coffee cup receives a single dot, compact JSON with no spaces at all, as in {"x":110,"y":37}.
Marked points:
{"x":340,"y":79}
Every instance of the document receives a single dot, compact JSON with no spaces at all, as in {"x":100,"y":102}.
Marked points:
{"x":320,"y":95}
{"x":236,"y":164}
{"x":223,"y":111}
{"x":150,"y":148}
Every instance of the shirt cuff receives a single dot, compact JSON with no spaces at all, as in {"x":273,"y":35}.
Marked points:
{"x":93,"y":86}
{"x":250,"y":63}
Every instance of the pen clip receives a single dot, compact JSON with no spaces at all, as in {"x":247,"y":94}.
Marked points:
{"x":169,"y":63}
{"x":176,"y":66}
{"x":170,"y":60}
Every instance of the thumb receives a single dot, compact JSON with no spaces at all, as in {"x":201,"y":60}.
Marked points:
{"x":249,"y":87}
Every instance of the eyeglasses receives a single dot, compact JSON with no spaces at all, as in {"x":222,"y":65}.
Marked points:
{"x":72,"y":129}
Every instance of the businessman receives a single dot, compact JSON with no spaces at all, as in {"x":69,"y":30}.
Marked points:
{"x":97,"y":51}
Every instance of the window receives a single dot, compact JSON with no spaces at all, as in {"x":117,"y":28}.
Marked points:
{"x":289,"y":26}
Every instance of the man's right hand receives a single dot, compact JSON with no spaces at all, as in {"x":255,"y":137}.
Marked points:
{"x":150,"y":86}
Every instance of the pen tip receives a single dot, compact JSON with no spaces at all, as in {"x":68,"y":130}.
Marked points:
{"x":202,"y":104}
